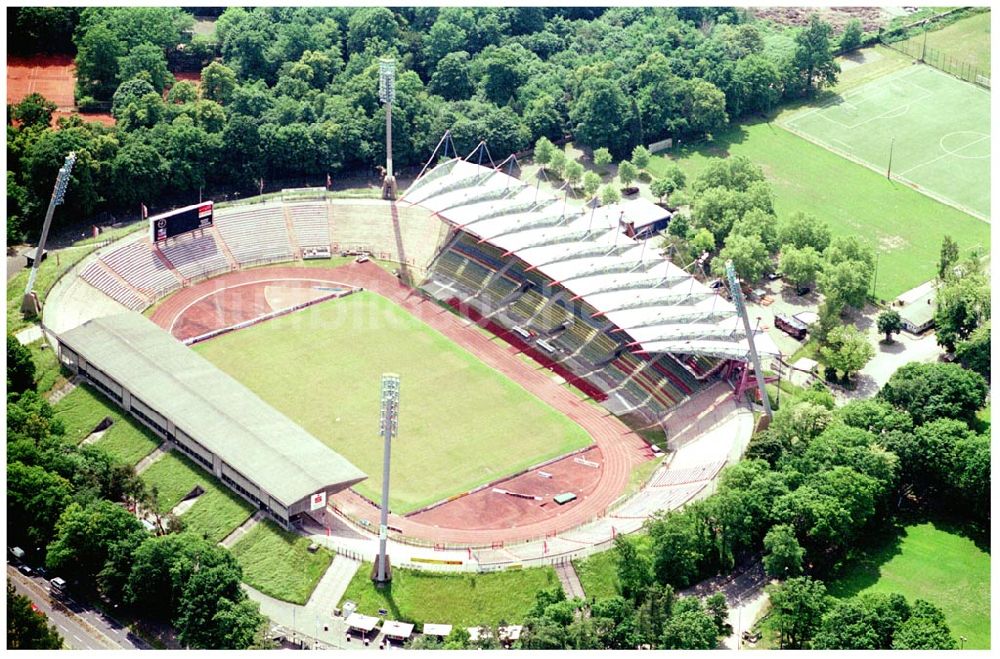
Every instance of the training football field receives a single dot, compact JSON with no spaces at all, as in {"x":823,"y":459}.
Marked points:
{"x":461,"y":423}
{"x":936,"y":127}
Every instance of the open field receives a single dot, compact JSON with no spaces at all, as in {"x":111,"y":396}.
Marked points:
{"x":936,"y":127}
{"x":464,"y":600}
{"x":929,"y":562}
{"x":907,"y":227}
{"x":459,"y":421}
{"x":278,"y":563}
{"x":216,"y":512}
{"x":599,"y":572}
{"x":966,"y":41}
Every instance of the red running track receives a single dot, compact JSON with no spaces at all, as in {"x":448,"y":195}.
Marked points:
{"x":620,"y":448}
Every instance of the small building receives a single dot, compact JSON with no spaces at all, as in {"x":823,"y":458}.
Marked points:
{"x":564,"y":498}
{"x":916,"y":308}
{"x":359,"y":623}
{"x":32,"y":254}
{"x":396,"y":630}
{"x":642,"y":218}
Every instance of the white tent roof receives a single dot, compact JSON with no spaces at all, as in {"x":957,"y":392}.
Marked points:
{"x":362,"y":622}
{"x":662,"y":307}
{"x":433,"y":629}
{"x":397,"y":629}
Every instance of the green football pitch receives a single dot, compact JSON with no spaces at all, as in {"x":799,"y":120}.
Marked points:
{"x":461,"y":423}
{"x":936,"y":128}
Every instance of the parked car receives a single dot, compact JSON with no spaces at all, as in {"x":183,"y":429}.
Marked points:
{"x":791,"y":326}
{"x":25,"y":570}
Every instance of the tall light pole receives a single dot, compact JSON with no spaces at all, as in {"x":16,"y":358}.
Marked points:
{"x":387,"y":94}
{"x":734,"y":288}
{"x":389,"y":427}
{"x":30,"y":305}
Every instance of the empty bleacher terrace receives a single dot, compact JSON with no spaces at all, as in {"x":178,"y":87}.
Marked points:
{"x":196,"y":255}
{"x":311,"y":224}
{"x":255,"y":234}
{"x":137,"y":263}
{"x":105,"y":281}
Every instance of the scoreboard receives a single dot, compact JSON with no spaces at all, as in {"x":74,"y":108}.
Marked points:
{"x":180,"y":220}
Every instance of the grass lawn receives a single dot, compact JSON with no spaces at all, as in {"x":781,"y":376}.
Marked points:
{"x":48,"y":272}
{"x":278,"y":563}
{"x":599,"y":572}
{"x":907,"y":227}
{"x":82,"y":409}
{"x":929,"y":562}
{"x":216,"y":512}
{"x":48,"y":371}
{"x":464,"y":600}
{"x":459,"y":419}
{"x":966,"y":42}
{"x":128,"y":441}
{"x":937,"y":128}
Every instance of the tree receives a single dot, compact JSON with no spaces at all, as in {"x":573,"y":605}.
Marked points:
{"x":444,"y":37}
{"x":28,"y":629}
{"x":927,"y":455}
{"x":35,"y":500}
{"x":34,"y":111}
{"x":218,"y":82}
{"x":864,"y":622}
{"x":690,"y":630}
{"x":755,"y":86}
{"x":704,"y":106}
{"x":127,"y":94}
{"x":627,"y":172}
{"x":239,"y":624}
{"x":851,"y":38}
{"x":183,"y":92}
{"x":602,"y":157}
{"x":557,"y":162}
{"x":673,"y":179}
{"x":97,"y":63}
{"x":209,"y":590}
{"x":926,"y":629}
{"x":798,"y":605}
{"x":147,"y":62}
{"x":503,"y":72}
{"x":948,"y":259}
{"x":573,"y":173}
{"x":933,"y":391}
{"x":600,"y":114}
{"x":610,"y":195}
{"x":543,"y":151}
{"x":633,"y":568}
{"x":800,"y":266}
{"x":757,"y":222}
{"x":734,"y":173}
{"x":973,"y":353}
{"x":803,"y":230}
{"x":591,"y":183}
{"x":641,"y":156}
{"x":88,"y":536}
{"x":702,"y":241}
{"x":373,"y":27}
{"x":963,"y":304}
{"x":784,"y":553}
{"x":717,"y":607}
{"x":813,"y":58}
{"x":748,"y":254}
{"x":20,"y":366}
{"x":889,"y":323}
{"x":972,"y":464}
{"x":847,"y":350}
{"x":451,"y":79}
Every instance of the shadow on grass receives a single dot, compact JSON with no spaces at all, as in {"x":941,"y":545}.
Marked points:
{"x":865,"y":569}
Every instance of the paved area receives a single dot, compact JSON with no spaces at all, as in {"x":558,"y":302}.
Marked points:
{"x":58,"y":394}
{"x":570,"y":581}
{"x":333,"y":585}
{"x":82,"y":628}
{"x":744,"y":591}
{"x":29,"y":335}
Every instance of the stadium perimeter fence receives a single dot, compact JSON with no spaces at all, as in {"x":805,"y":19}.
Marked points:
{"x":935,"y":58}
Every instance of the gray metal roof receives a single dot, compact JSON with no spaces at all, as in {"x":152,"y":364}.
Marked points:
{"x":210,"y":406}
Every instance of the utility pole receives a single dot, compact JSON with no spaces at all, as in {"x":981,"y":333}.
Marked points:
{"x":389,"y":427}
{"x":30,"y":304}
{"x":387,"y":94}
{"x":737,"y":293}
{"x":888,"y":172}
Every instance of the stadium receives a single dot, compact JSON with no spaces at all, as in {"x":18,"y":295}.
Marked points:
{"x":546,"y":355}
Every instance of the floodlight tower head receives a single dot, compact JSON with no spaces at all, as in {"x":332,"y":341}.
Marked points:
{"x":386,"y":80}
{"x":389,"y":418}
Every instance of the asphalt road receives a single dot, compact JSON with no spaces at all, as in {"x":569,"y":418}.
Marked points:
{"x":81,"y":627}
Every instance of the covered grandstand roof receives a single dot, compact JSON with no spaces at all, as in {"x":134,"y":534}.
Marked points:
{"x":211,"y":407}
{"x":588,"y":253}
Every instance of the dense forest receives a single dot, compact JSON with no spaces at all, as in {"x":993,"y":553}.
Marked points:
{"x":292,"y":92}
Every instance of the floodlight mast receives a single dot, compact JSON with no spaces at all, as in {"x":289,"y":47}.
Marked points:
{"x":737,"y":293}
{"x":389,"y":427}
{"x":387,"y":94}
{"x":30,"y":305}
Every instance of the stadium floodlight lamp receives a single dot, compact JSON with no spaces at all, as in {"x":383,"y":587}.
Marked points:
{"x":389,"y":418}
{"x":387,"y":80}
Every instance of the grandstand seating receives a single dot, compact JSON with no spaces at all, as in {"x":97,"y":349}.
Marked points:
{"x":196,"y":255}
{"x":255,"y":234}
{"x":311,"y":224}
{"x":97,"y":276}
{"x":136,"y":263}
